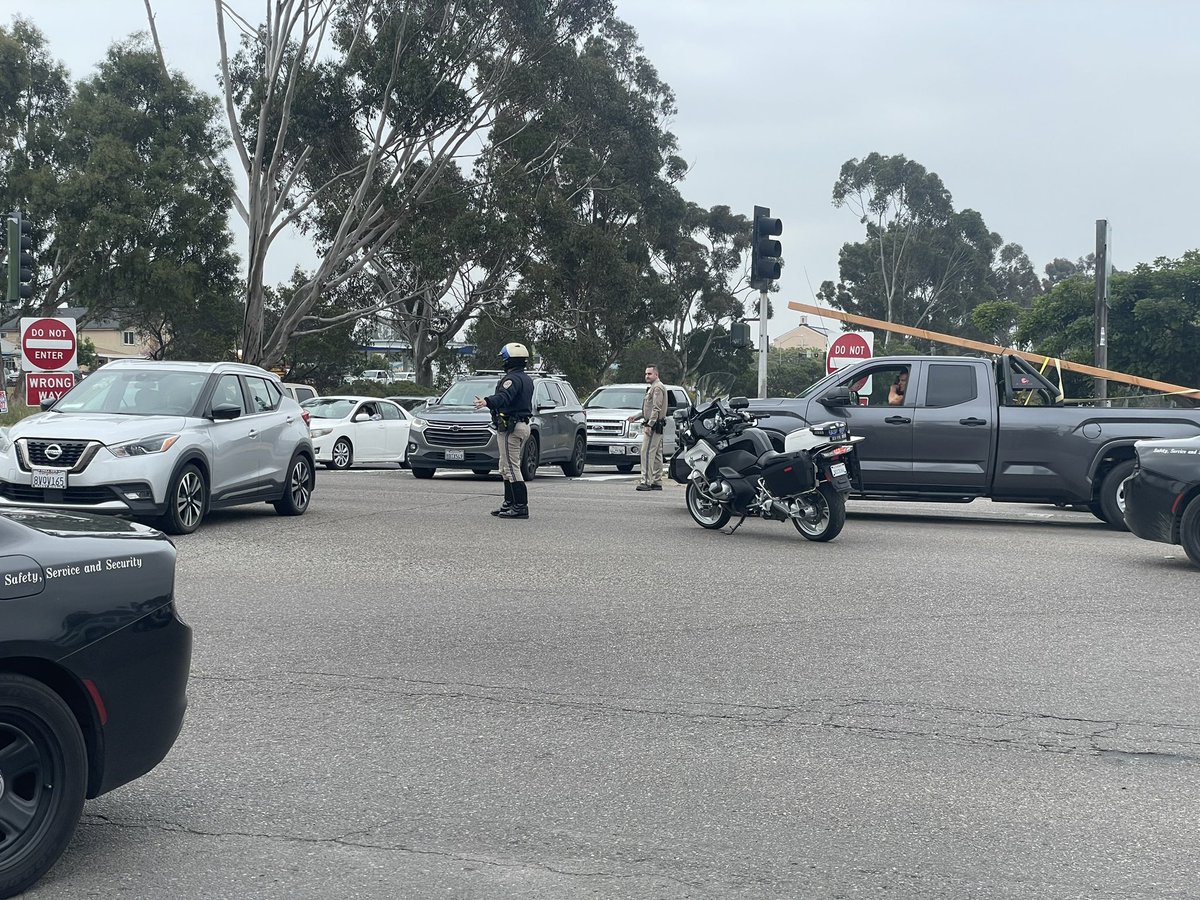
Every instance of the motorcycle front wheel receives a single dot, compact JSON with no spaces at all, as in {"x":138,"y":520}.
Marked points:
{"x":828,"y":516}
{"x":707,"y":512}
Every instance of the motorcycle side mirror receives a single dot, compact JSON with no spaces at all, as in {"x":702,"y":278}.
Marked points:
{"x":738,"y":403}
{"x":680,"y":414}
{"x":839,"y":396}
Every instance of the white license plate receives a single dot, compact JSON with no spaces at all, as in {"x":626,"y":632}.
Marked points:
{"x":51,"y":479}
{"x":455,"y":455}
{"x":616,"y":450}
{"x":837,"y":470}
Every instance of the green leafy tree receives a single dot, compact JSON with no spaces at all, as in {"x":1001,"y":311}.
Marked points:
{"x":345,"y":116}
{"x":923,"y":263}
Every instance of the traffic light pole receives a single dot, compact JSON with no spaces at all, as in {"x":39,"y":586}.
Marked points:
{"x":762,"y":344}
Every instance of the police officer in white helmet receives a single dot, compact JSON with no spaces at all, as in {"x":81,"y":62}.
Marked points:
{"x":511,"y":407}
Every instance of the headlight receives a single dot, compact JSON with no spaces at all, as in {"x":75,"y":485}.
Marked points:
{"x":418,"y":424}
{"x":160,"y":443}
{"x":319,"y":432}
{"x":5,"y":443}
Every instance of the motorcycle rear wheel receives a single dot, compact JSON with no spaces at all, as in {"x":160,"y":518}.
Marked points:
{"x":830,"y":516}
{"x":707,"y":512}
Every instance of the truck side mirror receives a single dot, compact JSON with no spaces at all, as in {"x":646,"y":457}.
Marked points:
{"x":839,"y":396}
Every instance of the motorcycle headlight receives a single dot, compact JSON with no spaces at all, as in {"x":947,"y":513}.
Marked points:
{"x":419,"y":424}
{"x":159,"y":443}
{"x":319,"y":432}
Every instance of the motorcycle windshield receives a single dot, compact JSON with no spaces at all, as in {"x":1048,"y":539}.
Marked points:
{"x":714,"y":386}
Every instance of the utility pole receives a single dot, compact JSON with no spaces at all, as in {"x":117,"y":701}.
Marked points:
{"x":1103,"y":274}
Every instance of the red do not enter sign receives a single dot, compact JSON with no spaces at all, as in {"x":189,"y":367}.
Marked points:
{"x":48,"y":344}
{"x":847,"y":348}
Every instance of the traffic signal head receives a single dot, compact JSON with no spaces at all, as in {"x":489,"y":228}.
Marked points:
{"x":766,"y":263}
{"x":20,"y":258}
{"x":739,"y":334}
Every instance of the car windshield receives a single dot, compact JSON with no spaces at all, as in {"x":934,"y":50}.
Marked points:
{"x":329,"y":407}
{"x":463,"y":393}
{"x":616,"y":398}
{"x":135,"y":392}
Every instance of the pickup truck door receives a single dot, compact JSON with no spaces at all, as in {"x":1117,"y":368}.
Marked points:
{"x":954,"y":424}
{"x":886,"y":456}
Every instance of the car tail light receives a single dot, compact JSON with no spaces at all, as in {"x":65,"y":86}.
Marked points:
{"x":307,"y":416}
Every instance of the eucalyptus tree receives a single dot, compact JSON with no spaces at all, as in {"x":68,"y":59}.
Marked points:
{"x":598,"y":209}
{"x":923,"y":263}
{"x":345,"y":117}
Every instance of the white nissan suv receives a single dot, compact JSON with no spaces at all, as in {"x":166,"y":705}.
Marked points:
{"x":167,"y":441}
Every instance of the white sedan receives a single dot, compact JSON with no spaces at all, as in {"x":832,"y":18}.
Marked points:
{"x":349,"y":430}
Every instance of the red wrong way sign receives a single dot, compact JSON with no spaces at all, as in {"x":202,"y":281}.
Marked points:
{"x":48,"y":345}
{"x":851,"y":347}
{"x":41,"y":386}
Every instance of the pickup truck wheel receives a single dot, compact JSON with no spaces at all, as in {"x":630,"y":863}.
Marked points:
{"x":1112,"y":494}
{"x":625,"y":468}
{"x":1189,"y":531}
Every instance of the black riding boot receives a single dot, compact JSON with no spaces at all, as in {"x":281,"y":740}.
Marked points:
{"x":520,"y":504}
{"x":508,"y":500}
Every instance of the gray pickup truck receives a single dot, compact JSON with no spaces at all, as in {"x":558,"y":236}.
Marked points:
{"x":957,"y":428}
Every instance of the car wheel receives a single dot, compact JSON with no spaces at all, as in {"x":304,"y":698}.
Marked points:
{"x":530,"y":457}
{"x":573,"y":467}
{"x":43,"y":779}
{"x":187,"y":501}
{"x":342,"y":455}
{"x":625,"y":468}
{"x":297,"y":491}
{"x":1112,"y":494}
{"x":422,"y":473}
{"x":1189,"y":531}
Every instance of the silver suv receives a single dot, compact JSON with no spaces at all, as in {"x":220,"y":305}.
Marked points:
{"x":612,"y":440}
{"x":167,"y":441}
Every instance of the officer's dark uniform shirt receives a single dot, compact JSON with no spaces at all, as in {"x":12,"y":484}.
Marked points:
{"x":513,"y":397}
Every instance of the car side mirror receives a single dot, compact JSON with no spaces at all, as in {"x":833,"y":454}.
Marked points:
{"x":47,"y":402}
{"x":839,"y":396}
{"x":547,"y":404}
{"x":226,"y":411}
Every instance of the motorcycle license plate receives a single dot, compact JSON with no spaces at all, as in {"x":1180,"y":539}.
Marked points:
{"x":838,"y":470}
{"x":452,"y":455}
{"x":50,"y":479}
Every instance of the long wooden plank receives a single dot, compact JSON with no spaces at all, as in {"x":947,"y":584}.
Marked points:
{"x":880,"y":325}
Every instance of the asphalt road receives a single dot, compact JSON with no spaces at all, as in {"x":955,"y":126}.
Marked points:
{"x":398,"y":695}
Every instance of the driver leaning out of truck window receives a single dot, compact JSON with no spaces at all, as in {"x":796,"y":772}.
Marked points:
{"x":898,"y":389}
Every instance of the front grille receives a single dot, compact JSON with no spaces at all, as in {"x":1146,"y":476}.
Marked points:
{"x":457,"y":435}
{"x":606,"y":429}
{"x":69,"y":452}
{"x":23,"y":493}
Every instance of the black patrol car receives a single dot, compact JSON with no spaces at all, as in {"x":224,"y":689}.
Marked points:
{"x":93,"y":672}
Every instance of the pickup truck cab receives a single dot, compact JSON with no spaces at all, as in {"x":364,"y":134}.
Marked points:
{"x":967,"y":427}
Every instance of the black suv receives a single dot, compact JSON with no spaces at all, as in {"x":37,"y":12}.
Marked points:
{"x":450,"y":433}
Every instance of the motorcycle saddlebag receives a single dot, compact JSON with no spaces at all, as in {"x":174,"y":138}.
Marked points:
{"x":789,"y":475}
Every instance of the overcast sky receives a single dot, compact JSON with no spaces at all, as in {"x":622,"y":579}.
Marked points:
{"x":1043,"y":115}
